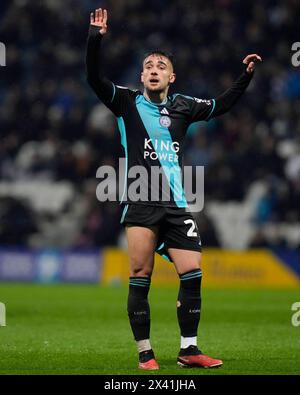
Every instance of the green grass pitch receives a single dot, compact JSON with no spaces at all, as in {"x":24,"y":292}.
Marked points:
{"x":83,"y":329}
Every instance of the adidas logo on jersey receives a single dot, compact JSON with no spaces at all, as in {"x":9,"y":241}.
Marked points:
{"x":164,"y":111}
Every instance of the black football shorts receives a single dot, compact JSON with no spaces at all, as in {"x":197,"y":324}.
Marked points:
{"x":177,"y":227}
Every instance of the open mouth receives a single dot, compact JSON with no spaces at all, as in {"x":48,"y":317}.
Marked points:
{"x":154,"y":81}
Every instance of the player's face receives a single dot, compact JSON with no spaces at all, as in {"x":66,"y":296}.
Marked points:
{"x":157,"y":73}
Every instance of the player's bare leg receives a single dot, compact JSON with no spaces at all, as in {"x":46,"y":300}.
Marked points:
{"x":141,"y":246}
{"x":188,"y":267}
{"x":185,"y":260}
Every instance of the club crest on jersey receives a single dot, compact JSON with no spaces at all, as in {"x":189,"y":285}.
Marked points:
{"x":165,"y":121}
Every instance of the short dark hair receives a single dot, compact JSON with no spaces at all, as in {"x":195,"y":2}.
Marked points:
{"x":161,"y":52}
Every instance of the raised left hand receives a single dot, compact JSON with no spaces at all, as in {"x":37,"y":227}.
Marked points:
{"x":250,"y":60}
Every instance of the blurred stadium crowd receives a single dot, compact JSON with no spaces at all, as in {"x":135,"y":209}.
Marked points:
{"x":55,"y":133}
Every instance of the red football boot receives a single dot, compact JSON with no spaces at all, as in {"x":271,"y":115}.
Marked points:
{"x":147,"y":361}
{"x":149,"y":365}
{"x":192,"y":357}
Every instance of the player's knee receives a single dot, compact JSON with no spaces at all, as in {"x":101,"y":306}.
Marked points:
{"x":195,"y":264}
{"x":140,"y":267}
{"x":139,"y":271}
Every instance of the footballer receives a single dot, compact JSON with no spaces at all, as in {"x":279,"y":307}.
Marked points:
{"x":153,"y":126}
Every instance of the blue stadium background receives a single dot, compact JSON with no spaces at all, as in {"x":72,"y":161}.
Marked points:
{"x":55,"y":133}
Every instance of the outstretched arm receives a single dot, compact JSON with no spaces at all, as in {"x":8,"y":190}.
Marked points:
{"x":95,"y":76}
{"x":226,"y":100}
{"x":207,"y":109}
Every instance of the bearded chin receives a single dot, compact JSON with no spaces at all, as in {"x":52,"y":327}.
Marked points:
{"x":158,"y":89}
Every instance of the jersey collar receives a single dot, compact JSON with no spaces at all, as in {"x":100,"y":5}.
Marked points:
{"x":163,"y":103}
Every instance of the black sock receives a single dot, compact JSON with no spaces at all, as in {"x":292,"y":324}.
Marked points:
{"x":145,"y":356}
{"x":138,"y":307}
{"x":189,"y":303}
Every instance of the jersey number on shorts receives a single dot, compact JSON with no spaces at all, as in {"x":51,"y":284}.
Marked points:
{"x":191,"y":232}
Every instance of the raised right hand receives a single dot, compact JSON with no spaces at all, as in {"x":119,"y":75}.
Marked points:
{"x":99,"y":20}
